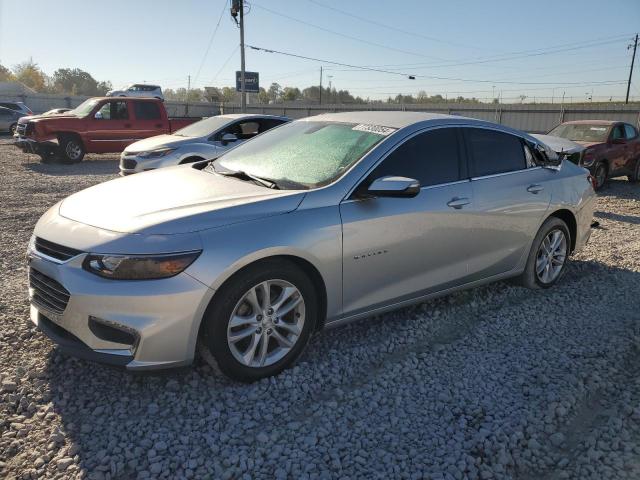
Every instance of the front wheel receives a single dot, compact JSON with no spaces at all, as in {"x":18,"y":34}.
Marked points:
{"x":261,"y":320}
{"x":71,"y":150}
{"x":12,"y":129}
{"x":548,"y":256}
{"x":601,"y":175}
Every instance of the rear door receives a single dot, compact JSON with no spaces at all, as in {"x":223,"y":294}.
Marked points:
{"x":6,"y":119}
{"x":616,"y":154}
{"x":511,"y":197}
{"x":632,"y":148}
{"x":109,"y":130}
{"x":395,"y":249}
{"x":148,"y":119}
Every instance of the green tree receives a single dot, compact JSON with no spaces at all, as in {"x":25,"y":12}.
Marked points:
{"x":275,"y":90}
{"x":76,"y":81}
{"x":5,"y":74}
{"x":263,"y":96}
{"x":31,"y":75}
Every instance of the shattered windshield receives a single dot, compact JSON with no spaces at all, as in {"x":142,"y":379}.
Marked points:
{"x":311,"y":154}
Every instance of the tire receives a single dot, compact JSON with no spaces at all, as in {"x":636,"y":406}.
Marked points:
{"x":635,"y":176}
{"x":252,"y":348}
{"x":601,"y":174}
{"x":71,"y":149}
{"x":531,"y":277}
{"x":12,"y":128}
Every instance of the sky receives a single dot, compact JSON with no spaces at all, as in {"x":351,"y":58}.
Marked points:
{"x":510,"y":48}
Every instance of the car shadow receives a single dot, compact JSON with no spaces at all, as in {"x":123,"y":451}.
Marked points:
{"x":635,"y":220}
{"x":620,"y":188}
{"x":90,"y":166}
{"x":150,"y":419}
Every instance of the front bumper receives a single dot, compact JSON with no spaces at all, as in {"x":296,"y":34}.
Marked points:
{"x":29,"y":145}
{"x":131,"y":163}
{"x":160,"y":318}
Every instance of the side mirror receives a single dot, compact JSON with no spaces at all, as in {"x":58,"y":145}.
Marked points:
{"x":228,"y":138}
{"x":98,"y":115}
{"x":394,"y":187}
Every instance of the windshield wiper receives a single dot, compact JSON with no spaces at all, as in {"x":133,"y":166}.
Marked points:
{"x":265,"y":182}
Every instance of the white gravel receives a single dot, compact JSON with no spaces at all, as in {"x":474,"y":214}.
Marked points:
{"x":493,"y":383}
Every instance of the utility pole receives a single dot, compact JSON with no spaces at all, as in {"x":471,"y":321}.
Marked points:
{"x":243,"y":93}
{"x":320,"y":101}
{"x":633,"y":58}
{"x":186,"y":112}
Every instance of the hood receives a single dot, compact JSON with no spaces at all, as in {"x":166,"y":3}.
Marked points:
{"x":158,"y":141}
{"x":35,"y":118}
{"x":558,"y":144}
{"x":175,"y":200}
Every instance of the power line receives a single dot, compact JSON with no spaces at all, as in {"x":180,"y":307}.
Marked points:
{"x":225,"y":63}
{"x":390,"y":27}
{"x":267,"y":50}
{"x":213,"y":34}
{"x":344,"y":35}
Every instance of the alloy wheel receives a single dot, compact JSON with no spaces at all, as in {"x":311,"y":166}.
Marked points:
{"x":601,"y":175}
{"x":266,"y":323}
{"x":551,"y":256}
{"x":73,"y":150}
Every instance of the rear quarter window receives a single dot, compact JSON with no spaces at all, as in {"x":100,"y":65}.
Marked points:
{"x":147,"y":110}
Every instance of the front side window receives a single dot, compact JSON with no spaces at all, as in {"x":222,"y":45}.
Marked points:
{"x":630,"y":132}
{"x":618,"y":133}
{"x":494,"y":152}
{"x":306,"y":153}
{"x":113,"y":111}
{"x":432,"y":158}
{"x":146,"y":110}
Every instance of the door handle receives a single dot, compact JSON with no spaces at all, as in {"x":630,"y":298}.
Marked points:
{"x":535,"y":188}
{"x":458,"y":203}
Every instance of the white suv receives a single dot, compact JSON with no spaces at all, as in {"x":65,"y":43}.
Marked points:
{"x":138,"y":90}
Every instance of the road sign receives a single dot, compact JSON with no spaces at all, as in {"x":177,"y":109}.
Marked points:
{"x":251,"y":82}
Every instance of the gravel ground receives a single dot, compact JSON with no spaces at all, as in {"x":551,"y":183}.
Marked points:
{"x":497,"y":382}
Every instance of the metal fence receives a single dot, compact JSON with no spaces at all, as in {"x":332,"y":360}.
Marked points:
{"x":536,"y":118}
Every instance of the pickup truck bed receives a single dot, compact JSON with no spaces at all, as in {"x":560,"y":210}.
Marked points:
{"x":99,"y":125}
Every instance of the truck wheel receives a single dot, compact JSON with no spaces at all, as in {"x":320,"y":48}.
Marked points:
{"x":635,"y":176}
{"x":71,"y":149}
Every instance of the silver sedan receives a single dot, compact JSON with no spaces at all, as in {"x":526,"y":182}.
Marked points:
{"x":203,"y":140}
{"x":316,"y":223}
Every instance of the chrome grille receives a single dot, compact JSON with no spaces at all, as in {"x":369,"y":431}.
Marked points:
{"x":21,"y":129}
{"x":54,"y":250}
{"x":47,"y":293}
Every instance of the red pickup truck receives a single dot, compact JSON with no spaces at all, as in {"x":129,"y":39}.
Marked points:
{"x":99,"y":125}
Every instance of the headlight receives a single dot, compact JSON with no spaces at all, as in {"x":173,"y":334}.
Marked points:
{"x":160,"y":152}
{"x":139,"y":267}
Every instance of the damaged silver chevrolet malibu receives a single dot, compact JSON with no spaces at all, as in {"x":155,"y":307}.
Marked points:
{"x":313,"y":224}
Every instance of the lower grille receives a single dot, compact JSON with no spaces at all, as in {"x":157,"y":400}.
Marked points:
{"x":47,"y":293}
{"x":128,"y":163}
{"x":54,"y":250}
{"x":21,"y":129}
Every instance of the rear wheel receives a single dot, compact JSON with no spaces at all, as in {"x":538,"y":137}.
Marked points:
{"x":601,"y":175}
{"x":261,"y":320}
{"x":548,"y":256}
{"x":635,"y":176}
{"x":12,"y":128}
{"x":71,"y":149}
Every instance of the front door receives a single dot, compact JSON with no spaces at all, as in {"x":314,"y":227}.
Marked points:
{"x":395,"y":249}
{"x":511,"y":197}
{"x":110,"y":128}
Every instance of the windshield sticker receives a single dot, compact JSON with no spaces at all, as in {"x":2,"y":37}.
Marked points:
{"x":598,"y":129}
{"x":379,"y":129}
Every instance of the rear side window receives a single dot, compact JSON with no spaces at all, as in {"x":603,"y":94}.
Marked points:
{"x":494,"y":152}
{"x":147,"y":110}
{"x":629,"y":131}
{"x":12,"y":106}
{"x":432,"y":158}
{"x":618,"y":132}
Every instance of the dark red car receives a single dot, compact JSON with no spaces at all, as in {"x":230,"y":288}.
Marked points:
{"x":99,"y":125}
{"x":612,"y":149}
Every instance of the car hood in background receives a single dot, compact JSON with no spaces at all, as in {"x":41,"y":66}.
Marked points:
{"x":151,"y":143}
{"x":559,"y":144}
{"x":175,"y":200}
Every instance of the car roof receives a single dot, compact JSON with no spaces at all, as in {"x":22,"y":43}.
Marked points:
{"x":130,"y":99}
{"x":143,"y":85}
{"x":394,"y":119}
{"x":592,"y":122}
{"x":236,"y":116}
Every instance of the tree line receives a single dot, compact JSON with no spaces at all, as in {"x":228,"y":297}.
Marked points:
{"x":72,"y":81}
{"x":75,"y":81}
